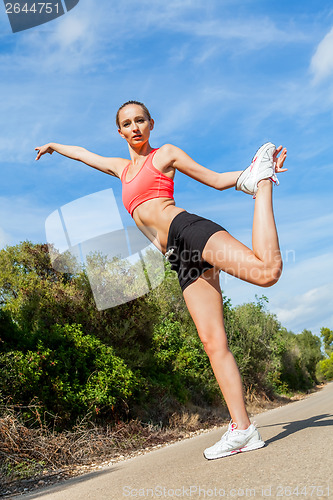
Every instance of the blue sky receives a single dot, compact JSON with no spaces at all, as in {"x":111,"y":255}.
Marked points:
{"x":220,"y":78}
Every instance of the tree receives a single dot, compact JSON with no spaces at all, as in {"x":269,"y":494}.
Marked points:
{"x":66,"y":373}
{"x":325,"y":366}
{"x":327,"y":336}
{"x":310,"y":349}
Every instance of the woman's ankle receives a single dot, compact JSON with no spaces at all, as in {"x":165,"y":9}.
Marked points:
{"x":242,"y":424}
{"x":265,"y":182}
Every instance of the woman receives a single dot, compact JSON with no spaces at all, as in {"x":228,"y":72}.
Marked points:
{"x":196,"y":247}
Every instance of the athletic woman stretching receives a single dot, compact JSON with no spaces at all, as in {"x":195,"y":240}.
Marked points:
{"x":196,"y":247}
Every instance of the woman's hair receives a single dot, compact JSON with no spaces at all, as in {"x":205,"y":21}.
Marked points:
{"x":145,"y":109}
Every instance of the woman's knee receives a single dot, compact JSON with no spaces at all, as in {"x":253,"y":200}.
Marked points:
{"x":214,"y":343}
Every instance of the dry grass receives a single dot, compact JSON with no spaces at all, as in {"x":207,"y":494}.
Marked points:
{"x":36,"y":456}
{"x":31,"y":457}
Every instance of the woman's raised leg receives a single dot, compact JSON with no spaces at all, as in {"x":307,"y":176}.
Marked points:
{"x":260,"y":266}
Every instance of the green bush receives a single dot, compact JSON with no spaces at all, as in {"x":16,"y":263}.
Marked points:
{"x":179,"y":353}
{"x":68,"y":374}
{"x":325,"y":368}
{"x":251,"y":334}
{"x":144,"y":357}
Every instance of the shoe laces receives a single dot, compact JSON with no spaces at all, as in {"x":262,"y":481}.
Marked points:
{"x":231,"y":428}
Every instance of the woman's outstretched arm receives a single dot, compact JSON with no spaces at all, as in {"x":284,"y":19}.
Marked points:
{"x":111,"y":166}
{"x":225,"y":180}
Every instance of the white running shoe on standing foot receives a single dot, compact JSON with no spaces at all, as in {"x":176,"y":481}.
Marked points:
{"x":262,"y":167}
{"x":235,"y":441}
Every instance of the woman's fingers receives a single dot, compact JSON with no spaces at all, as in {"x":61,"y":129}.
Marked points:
{"x":38,"y":154}
{"x":41,"y":151}
{"x":281,"y":159}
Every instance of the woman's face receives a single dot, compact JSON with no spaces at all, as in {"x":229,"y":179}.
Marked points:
{"x":135,"y":126}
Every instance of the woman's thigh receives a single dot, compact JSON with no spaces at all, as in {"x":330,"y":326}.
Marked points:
{"x":205,"y":304}
{"x":225,"y":252}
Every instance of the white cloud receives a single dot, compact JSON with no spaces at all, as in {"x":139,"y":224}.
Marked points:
{"x":61,"y":81}
{"x":21,"y":218}
{"x":92,"y":33}
{"x":5,"y":238}
{"x":322,"y":60}
{"x":255,"y":32}
{"x":311,"y":310}
{"x":302,"y":299}
{"x":67,"y":45}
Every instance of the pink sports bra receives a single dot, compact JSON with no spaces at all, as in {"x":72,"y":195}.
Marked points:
{"x":148,"y":183}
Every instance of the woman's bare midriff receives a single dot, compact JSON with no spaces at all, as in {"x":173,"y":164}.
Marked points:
{"x":153,"y":218}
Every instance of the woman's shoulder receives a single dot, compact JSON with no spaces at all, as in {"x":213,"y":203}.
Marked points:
{"x":167,"y":147}
{"x":165,"y":156}
{"x":168,"y":152}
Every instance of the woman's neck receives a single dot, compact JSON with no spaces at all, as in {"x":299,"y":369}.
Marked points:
{"x":137,"y":153}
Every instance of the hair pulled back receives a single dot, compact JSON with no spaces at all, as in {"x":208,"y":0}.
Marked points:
{"x":145,"y":109}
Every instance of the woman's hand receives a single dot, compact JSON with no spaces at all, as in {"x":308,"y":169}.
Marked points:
{"x":279,"y":160}
{"x":47,"y":148}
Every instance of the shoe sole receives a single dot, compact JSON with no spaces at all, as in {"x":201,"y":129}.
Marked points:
{"x":258,"y":156}
{"x":254,"y":446}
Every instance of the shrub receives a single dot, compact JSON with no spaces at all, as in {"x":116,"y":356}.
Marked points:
{"x":68,"y":374}
{"x":325,"y":368}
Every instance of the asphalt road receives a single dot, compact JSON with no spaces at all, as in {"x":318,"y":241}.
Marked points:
{"x":297,"y":462}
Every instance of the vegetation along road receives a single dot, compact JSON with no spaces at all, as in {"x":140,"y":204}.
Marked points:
{"x":296,"y":463}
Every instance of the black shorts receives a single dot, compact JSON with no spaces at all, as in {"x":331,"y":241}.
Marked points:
{"x":188,"y":235}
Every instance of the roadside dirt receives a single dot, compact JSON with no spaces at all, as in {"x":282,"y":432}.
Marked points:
{"x":182,"y":426}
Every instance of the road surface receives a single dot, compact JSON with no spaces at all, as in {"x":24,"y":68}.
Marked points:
{"x":296,"y":463}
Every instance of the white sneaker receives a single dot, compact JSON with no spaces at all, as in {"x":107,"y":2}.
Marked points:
{"x":235,"y":441}
{"x":262,"y":167}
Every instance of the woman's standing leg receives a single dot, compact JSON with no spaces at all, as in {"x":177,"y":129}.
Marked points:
{"x":204,"y":301}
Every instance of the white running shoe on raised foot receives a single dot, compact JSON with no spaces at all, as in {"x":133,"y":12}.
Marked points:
{"x":235,"y":441}
{"x":262,"y":167}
